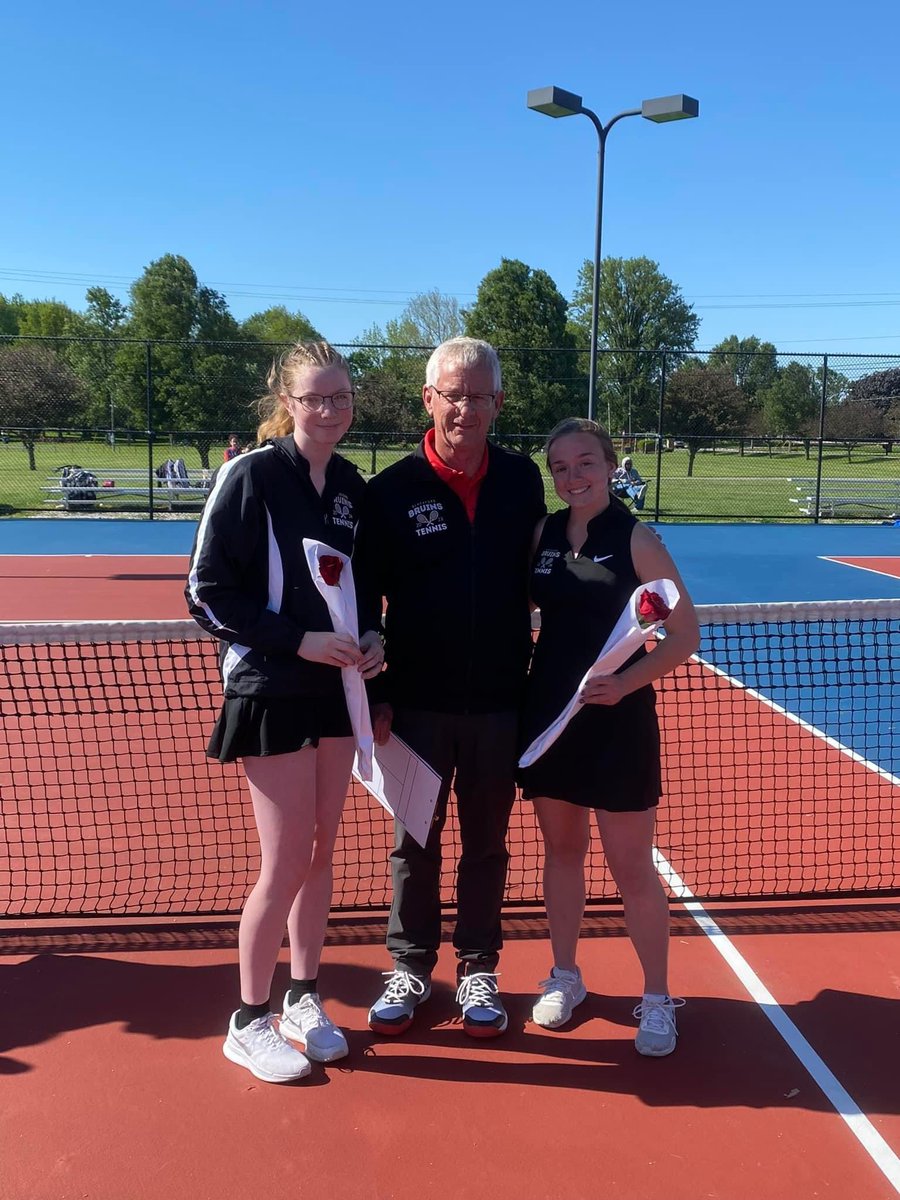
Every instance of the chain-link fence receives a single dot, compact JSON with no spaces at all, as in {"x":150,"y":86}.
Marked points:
{"x":731,"y":436}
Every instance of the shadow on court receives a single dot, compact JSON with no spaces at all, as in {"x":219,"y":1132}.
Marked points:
{"x":729,"y":1055}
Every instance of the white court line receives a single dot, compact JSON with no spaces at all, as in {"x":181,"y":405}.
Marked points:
{"x":841,"y":1100}
{"x":860,"y":566}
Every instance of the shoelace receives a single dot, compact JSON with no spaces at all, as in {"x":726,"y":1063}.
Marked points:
{"x":311,"y":1014}
{"x":401,"y":984}
{"x":563,"y":983}
{"x":656,"y":1016}
{"x":479,"y":989}
{"x":267,"y":1033}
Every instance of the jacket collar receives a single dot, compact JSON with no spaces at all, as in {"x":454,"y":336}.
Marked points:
{"x":337,"y":466}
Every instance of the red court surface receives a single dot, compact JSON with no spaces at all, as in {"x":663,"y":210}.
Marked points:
{"x":880,"y":566}
{"x":84,"y":587}
{"x":113,"y":1085}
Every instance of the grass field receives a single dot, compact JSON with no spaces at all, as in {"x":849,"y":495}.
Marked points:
{"x":725,"y":485}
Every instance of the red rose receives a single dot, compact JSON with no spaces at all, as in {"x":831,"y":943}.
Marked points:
{"x":652,"y":607}
{"x":330,"y":567}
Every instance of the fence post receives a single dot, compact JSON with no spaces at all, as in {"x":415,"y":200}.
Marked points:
{"x":659,"y":432}
{"x":149,"y":369}
{"x":821,"y":437}
{"x":374,"y":454}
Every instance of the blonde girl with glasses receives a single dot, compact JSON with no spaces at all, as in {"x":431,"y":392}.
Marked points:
{"x":284,"y":716}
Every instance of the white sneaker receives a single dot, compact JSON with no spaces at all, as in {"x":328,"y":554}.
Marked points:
{"x":561,"y":993}
{"x":261,"y":1049}
{"x":306,"y":1022}
{"x":657,"y":1034}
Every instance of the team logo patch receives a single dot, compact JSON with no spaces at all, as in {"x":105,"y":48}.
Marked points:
{"x":342,"y":512}
{"x":428,"y":517}
{"x":544,"y":564}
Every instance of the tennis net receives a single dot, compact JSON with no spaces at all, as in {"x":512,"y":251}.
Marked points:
{"x":780,"y":770}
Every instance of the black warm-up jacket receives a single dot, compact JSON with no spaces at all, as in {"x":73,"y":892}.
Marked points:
{"x":457,"y":624}
{"x":249,"y":582}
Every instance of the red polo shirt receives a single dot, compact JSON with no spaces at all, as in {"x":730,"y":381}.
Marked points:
{"x":466,"y":486}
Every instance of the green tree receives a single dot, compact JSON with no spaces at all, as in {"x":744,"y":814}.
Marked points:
{"x":388,"y":377}
{"x":433,"y":316}
{"x":46,"y":318}
{"x":853,"y":421}
{"x":640,"y":312}
{"x":9,"y":313}
{"x":202,"y":381}
{"x":703,"y":403}
{"x":389,"y":364}
{"x":278,"y":326}
{"x":791,"y":403}
{"x":753,"y":363}
{"x":37,"y":390}
{"x":838,"y":385}
{"x":92,"y":356}
{"x":521,"y":311}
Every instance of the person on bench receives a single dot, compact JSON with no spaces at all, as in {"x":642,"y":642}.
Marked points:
{"x":626,"y":481}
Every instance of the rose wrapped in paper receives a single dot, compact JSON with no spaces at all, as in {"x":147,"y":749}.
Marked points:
{"x":330,"y":567}
{"x":326,"y":566}
{"x":646,"y":609}
{"x":651,"y":609}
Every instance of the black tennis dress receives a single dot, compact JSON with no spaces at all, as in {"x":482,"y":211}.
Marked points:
{"x":608,"y":756}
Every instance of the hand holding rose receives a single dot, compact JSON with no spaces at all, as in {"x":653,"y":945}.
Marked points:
{"x":603,"y":689}
{"x":333,"y":649}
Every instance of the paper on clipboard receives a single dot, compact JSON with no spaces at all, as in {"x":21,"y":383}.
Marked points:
{"x":405,"y":785}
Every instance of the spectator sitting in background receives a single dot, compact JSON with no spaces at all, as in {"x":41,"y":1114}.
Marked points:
{"x":626,"y":481}
{"x":233,"y":449}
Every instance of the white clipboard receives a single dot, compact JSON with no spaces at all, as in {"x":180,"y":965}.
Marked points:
{"x":404,"y":784}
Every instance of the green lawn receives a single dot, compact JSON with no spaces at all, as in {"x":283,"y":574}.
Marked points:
{"x":725,"y":485}
{"x":20,"y":487}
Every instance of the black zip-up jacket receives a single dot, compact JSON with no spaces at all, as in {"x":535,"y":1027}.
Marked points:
{"x":249,"y":582}
{"x":457,"y":624}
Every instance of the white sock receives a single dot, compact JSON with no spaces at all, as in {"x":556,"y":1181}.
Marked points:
{"x":656,"y":997}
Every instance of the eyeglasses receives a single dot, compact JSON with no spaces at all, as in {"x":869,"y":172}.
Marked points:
{"x":313,"y":403}
{"x":481,"y":401}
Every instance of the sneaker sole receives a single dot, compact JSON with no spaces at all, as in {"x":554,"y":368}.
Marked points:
{"x":236,"y":1055}
{"x":648,"y":1053}
{"x":387,"y":1030}
{"x":485,"y":1031}
{"x":562,"y":1020}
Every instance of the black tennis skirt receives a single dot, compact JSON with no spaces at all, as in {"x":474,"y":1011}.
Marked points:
{"x":259,"y":726}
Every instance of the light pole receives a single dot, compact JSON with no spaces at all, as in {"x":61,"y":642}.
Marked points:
{"x":555,"y":102}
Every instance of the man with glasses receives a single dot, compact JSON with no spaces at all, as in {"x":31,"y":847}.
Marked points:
{"x":446,"y":539}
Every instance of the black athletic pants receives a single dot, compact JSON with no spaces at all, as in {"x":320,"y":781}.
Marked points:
{"x":477,"y":754}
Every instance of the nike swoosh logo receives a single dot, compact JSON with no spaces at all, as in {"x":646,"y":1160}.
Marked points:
{"x":603,"y":558}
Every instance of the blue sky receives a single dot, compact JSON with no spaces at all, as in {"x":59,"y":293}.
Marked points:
{"x":339,"y":159}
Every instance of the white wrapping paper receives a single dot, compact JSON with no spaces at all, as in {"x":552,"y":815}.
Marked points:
{"x":627,"y":636}
{"x":341,"y":601}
